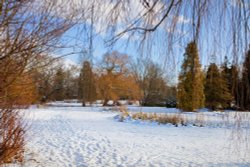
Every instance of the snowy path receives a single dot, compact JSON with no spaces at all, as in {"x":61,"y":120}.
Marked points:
{"x":76,"y":136}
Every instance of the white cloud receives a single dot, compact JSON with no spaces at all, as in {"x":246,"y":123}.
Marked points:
{"x":110,"y":13}
{"x":69,"y":63}
{"x":181,"y":19}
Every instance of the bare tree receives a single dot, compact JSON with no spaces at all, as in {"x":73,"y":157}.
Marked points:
{"x":28,"y":29}
{"x":12,"y":134}
{"x":152,"y":82}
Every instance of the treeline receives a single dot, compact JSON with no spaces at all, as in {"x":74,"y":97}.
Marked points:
{"x":115,"y":77}
{"x":224,"y":87}
{"x":118,"y":77}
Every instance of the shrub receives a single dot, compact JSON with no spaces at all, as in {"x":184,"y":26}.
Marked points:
{"x":124,"y":110}
{"x":11,"y":136}
{"x":174,"y":119}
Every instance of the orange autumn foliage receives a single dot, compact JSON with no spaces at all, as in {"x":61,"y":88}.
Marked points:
{"x":116,"y":81}
{"x":113,"y":87}
{"x":20,"y":93}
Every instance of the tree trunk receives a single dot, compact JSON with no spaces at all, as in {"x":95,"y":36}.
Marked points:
{"x":83,"y":103}
{"x":105,"y":103}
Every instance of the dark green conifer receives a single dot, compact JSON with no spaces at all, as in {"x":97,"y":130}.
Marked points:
{"x":245,"y":89}
{"x":87,"y":88}
{"x":217,"y":94}
{"x":190,"y":94}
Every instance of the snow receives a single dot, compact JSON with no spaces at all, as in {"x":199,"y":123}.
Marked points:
{"x":90,"y":136}
{"x":152,"y":109}
{"x":69,"y":63}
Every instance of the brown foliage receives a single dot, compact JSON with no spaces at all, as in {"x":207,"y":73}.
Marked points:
{"x":116,"y":82}
{"x":174,"y":119}
{"x":111,"y":87}
{"x":11,"y":136}
{"x":20,"y":93}
{"x":27,"y":30}
{"x":17,"y":90}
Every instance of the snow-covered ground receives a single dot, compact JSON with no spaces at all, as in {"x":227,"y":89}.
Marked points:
{"x":90,"y":136}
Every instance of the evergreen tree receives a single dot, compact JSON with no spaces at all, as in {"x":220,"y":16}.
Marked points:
{"x":58,"y":85}
{"x":226,"y":71}
{"x":80,"y":80}
{"x":87,"y":88}
{"x":235,"y":85}
{"x":190,"y":93}
{"x":231,"y":75}
{"x":216,"y":89}
{"x":245,"y":102}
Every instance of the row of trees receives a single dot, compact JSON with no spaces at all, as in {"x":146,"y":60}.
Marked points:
{"x":116,"y":77}
{"x":31,"y":29}
{"x":217,"y":88}
{"x":55,"y":81}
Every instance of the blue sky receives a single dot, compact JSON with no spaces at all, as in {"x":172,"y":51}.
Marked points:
{"x":170,"y":63}
{"x":215,"y":39}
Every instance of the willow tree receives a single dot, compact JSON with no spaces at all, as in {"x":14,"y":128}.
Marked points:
{"x":178,"y":20}
{"x":116,"y":81}
{"x":163,"y":26}
{"x":190,"y":95}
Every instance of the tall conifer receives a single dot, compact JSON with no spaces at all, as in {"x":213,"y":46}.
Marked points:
{"x":245,"y":102}
{"x":58,"y":84}
{"x":216,"y":89}
{"x":190,"y":93}
{"x":87,"y":88}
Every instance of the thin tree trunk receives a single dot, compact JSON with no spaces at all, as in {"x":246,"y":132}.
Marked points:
{"x":83,"y":103}
{"x":105,"y":103}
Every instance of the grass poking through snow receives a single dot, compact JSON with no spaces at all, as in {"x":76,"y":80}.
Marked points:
{"x":176,"y":119}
